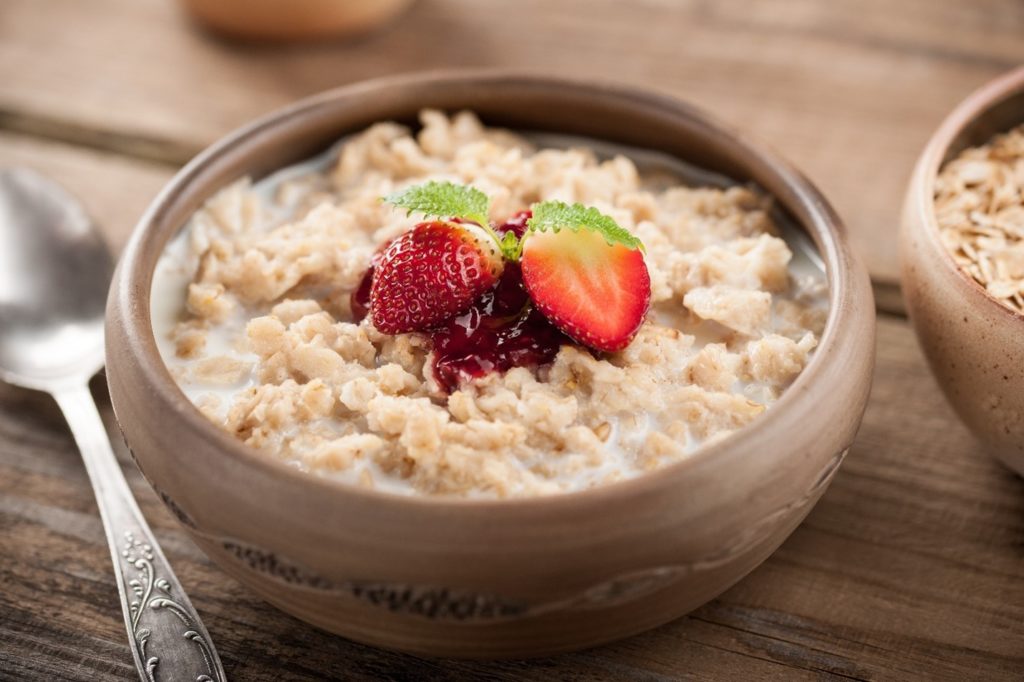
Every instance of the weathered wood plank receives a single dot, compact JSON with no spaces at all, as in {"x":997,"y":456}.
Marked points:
{"x":849,"y":89}
{"x":114,"y":190}
{"x":910,"y":567}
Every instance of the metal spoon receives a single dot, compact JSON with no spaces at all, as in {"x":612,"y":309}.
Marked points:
{"x":54,"y":274}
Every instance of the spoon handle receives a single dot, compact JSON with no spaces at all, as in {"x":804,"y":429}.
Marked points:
{"x":167,"y":638}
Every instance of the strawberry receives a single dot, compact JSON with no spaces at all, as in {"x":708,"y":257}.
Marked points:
{"x":433,"y":271}
{"x":359,"y":300}
{"x":586,"y":274}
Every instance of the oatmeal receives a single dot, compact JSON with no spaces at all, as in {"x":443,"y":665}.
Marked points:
{"x":259,"y":314}
{"x":979,"y":205}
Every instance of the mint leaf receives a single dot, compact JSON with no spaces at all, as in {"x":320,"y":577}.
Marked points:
{"x":443,"y":200}
{"x":557,"y":215}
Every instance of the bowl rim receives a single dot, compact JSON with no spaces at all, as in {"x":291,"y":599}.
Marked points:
{"x":984,"y":98}
{"x":843,"y":272}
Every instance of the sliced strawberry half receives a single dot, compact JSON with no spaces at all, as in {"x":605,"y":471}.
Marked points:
{"x":597,"y":293}
{"x":433,"y":271}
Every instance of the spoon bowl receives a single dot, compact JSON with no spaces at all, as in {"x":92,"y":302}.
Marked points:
{"x":54,"y":273}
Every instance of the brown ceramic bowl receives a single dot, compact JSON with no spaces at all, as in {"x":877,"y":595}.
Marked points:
{"x":291,"y":20}
{"x":476,"y":578}
{"x":972,"y":342}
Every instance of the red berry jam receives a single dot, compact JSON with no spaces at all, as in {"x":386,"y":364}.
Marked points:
{"x":360,"y":300}
{"x":516,"y":224}
{"x":501,"y":330}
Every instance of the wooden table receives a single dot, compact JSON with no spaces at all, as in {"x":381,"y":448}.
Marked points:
{"x":912,"y":564}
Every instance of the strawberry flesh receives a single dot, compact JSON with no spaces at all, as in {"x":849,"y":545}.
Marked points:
{"x":595,"y":292}
{"x":433,"y":271}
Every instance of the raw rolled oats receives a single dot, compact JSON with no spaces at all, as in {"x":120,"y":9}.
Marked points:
{"x":979,"y":205}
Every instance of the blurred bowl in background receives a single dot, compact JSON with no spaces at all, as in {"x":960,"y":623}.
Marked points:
{"x":293,"y":20}
{"x":972,"y":341}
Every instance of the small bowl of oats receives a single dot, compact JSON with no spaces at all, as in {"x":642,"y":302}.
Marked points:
{"x":962,"y":249}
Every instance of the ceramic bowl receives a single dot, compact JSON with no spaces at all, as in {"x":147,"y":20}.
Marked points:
{"x":478,"y":578}
{"x":972,"y":342}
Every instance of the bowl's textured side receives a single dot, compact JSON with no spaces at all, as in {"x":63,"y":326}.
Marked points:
{"x":552,"y":578}
{"x":492,"y":579}
{"x":973,"y":343}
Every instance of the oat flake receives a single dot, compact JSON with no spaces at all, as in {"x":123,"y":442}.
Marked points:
{"x":979,"y":205}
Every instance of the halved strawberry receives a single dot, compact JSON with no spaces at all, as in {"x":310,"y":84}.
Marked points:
{"x":359,"y":300}
{"x":431,"y":272}
{"x":597,"y":293}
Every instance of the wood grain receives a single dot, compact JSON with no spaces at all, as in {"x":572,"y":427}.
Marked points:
{"x":849,"y":89}
{"x":115,"y":190}
{"x":910,"y":567}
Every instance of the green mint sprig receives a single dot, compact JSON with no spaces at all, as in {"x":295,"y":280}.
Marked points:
{"x":555,"y":216}
{"x":443,"y":200}
{"x":449,"y":200}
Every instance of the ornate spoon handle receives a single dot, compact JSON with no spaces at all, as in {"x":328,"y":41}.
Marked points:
{"x":167,"y":638}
